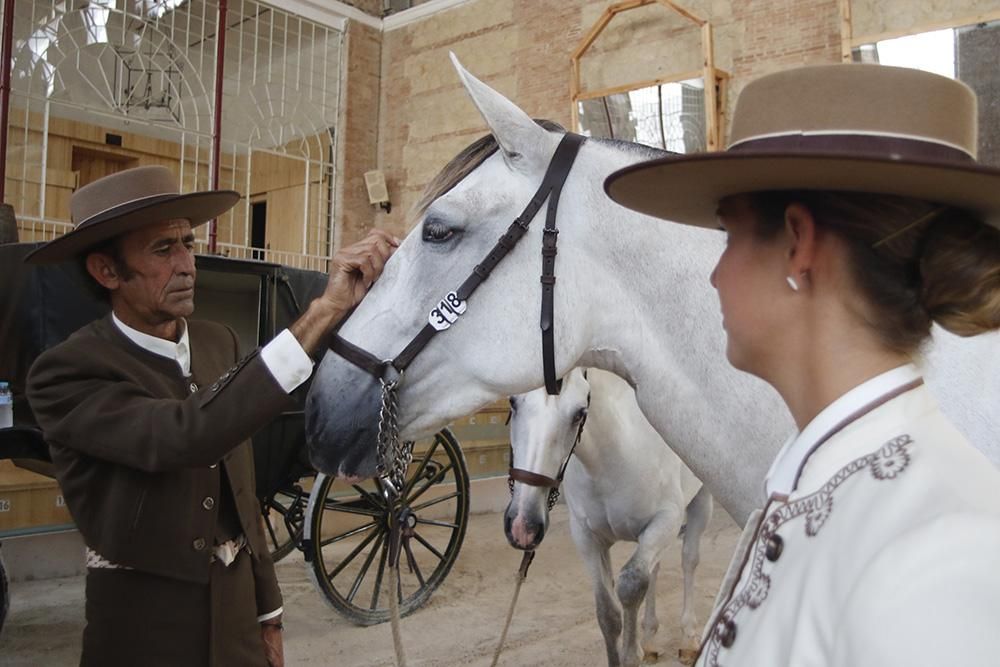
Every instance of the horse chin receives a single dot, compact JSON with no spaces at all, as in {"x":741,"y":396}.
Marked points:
{"x":342,"y":413}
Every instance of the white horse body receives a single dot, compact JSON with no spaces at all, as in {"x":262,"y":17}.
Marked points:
{"x":632,"y":297}
{"x":623,"y":483}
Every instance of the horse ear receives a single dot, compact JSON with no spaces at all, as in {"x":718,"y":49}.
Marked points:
{"x":519,"y":137}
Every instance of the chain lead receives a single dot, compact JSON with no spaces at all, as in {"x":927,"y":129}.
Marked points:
{"x":393,"y":456}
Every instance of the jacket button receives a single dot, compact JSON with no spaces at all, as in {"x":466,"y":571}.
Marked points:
{"x":726,"y":632}
{"x":198,"y":544}
{"x":775,"y":545}
{"x":193,"y":387}
{"x":208,"y":503}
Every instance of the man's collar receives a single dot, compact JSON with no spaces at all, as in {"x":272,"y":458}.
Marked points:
{"x":179,"y":351}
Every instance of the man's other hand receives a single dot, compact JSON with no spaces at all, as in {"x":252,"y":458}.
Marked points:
{"x":274,"y":648}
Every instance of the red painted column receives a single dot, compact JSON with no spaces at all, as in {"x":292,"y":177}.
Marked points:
{"x":220,"y":66}
{"x":8,"y":40}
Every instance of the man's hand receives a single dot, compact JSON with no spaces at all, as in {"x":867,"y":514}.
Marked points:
{"x":352,"y":271}
{"x":274,"y":649}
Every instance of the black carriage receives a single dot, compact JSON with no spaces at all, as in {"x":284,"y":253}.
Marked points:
{"x":341,"y":528}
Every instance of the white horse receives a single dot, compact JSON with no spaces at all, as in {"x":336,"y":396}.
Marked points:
{"x":632,"y":297}
{"x":622,"y":483}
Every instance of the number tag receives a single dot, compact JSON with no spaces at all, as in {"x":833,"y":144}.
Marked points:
{"x":447,"y":312}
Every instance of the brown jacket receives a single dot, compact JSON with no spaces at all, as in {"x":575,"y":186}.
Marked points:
{"x":135,"y":446}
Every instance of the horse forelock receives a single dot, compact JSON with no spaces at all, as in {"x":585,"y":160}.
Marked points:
{"x":467,"y":161}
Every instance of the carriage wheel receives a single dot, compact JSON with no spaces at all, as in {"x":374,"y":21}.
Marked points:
{"x":284,"y":520}
{"x":348,"y":543}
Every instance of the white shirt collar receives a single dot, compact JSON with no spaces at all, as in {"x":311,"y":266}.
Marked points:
{"x":179,"y":351}
{"x":784,"y":471}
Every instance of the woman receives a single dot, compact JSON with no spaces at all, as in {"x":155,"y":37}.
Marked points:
{"x":855,"y":216}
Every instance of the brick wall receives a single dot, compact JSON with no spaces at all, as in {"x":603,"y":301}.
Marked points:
{"x":358,"y":139}
{"x":522,"y":48}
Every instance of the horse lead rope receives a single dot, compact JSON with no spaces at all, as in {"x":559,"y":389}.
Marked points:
{"x":519,"y":577}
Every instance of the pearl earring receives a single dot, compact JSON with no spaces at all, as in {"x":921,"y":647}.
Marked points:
{"x":791,"y":283}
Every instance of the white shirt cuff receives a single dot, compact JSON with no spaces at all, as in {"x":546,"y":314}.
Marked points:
{"x":287,"y":361}
{"x":270,"y":615}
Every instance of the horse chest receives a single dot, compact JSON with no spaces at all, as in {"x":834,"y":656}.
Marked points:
{"x":621,"y":516}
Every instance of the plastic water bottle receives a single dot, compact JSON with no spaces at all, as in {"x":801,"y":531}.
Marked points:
{"x":6,"y":406}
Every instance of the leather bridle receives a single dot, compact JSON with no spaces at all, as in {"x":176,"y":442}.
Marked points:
{"x":450,"y":308}
{"x":536,"y":479}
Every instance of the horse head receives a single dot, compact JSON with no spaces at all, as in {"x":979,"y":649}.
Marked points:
{"x":493,"y":349}
{"x":544,"y":430}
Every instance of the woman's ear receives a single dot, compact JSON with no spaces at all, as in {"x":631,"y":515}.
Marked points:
{"x":800,"y":232}
{"x":102,"y":269}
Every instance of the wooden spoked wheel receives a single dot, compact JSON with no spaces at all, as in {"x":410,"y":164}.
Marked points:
{"x":284,"y":515}
{"x":348,"y":543}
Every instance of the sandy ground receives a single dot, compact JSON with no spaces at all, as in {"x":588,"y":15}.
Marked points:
{"x":554,"y":624}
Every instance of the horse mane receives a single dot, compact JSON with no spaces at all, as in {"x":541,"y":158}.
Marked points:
{"x":465,"y":163}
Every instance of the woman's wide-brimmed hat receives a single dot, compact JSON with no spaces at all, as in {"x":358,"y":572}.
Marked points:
{"x":849,"y":127}
{"x":126,"y":201}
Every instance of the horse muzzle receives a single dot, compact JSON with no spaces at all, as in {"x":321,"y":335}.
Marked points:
{"x":342,"y":418}
{"x":524,"y":530}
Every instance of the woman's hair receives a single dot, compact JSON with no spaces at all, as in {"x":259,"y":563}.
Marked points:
{"x":914,"y":262}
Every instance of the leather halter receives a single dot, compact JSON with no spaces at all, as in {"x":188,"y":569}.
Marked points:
{"x":544,"y":481}
{"x":550,"y":188}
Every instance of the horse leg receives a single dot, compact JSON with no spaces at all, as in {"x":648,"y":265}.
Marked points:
{"x":699,"y":513}
{"x":633,"y":580}
{"x":597,"y":557}
{"x":650,"y":623}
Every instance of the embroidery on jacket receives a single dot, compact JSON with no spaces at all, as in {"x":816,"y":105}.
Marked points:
{"x":884,"y":464}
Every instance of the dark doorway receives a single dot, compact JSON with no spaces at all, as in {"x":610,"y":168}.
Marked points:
{"x":258,"y":227}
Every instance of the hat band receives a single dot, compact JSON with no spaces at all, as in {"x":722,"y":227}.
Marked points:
{"x":856,"y":145}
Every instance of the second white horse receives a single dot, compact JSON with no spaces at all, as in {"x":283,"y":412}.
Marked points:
{"x":622,"y":483}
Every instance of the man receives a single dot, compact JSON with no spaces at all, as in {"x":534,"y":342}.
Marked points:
{"x":148,"y":417}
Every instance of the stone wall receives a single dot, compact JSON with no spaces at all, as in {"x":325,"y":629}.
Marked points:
{"x":522,"y":48}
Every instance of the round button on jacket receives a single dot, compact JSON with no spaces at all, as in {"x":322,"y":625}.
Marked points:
{"x":775,"y":545}
{"x":208,"y":503}
{"x":198,"y":544}
{"x":726,"y":632}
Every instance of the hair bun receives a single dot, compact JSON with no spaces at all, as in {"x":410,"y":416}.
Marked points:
{"x":960,"y":271}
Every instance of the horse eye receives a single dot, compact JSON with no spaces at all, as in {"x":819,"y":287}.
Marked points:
{"x":436,"y":232}
{"x":580,"y":415}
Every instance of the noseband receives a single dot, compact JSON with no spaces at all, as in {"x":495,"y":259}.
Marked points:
{"x":453,"y":305}
{"x":543,"y":481}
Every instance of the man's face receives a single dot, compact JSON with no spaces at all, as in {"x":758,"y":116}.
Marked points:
{"x":158,"y":285}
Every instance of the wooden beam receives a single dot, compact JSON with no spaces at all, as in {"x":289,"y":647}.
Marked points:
{"x":636,"y":85}
{"x":846,"y":28}
{"x":629,"y":5}
{"x":723,"y":83}
{"x":708,"y":74}
{"x":595,"y":30}
{"x":711,"y":100}
{"x":683,"y":11}
{"x":985,"y":17}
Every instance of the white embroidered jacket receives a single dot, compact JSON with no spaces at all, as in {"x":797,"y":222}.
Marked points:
{"x":887,"y":552}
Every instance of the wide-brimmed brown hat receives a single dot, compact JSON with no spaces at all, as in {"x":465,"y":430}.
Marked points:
{"x":126,"y":201}
{"x":849,"y":127}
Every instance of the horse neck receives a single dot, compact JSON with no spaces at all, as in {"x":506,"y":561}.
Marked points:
{"x":655,"y":321}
